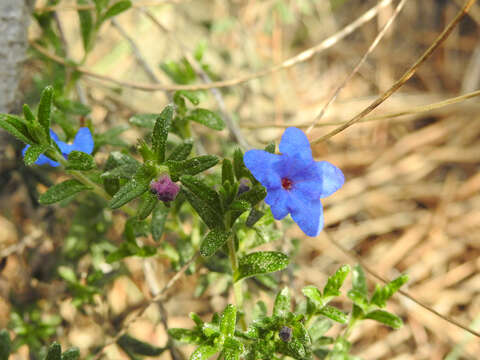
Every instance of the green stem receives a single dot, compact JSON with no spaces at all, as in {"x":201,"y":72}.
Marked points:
{"x":237,"y":285}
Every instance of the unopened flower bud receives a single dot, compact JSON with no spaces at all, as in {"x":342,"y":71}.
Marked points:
{"x":243,"y":187}
{"x":164,"y":188}
{"x":285,"y":333}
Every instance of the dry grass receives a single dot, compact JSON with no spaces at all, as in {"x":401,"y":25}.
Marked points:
{"x":411,"y":202}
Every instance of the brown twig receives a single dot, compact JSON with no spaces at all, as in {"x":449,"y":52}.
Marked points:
{"x":372,"y":47}
{"x":405,"y":77}
{"x":303,"y":56}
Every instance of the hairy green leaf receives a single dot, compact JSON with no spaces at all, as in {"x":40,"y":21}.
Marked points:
{"x":386,"y":318}
{"x":144,"y":120}
{"x":383,"y":293}
{"x":227,"y":171}
{"x":181,"y":152}
{"x":61,"y":191}
{"x":228,"y":321}
{"x":16,"y":127}
{"x":314,"y":295}
{"x":33,"y":152}
{"x":133,"y":188}
{"x":116,"y":9}
{"x":204,"y":352}
{"x":282,"y":304}
{"x":190,"y":166}
{"x":78,"y":160}
{"x":262,"y":262}
{"x":332,"y":288}
{"x":214,"y":241}
{"x":146,"y":206}
{"x":160,"y":132}
{"x":256,"y":194}
{"x":157,"y":223}
{"x":54,"y":352}
{"x":71,"y":354}
{"x":45,"y":108}
{"x":206,"y":117}
{"x":334,"y":314}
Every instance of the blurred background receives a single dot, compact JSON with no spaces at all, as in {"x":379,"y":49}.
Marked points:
{"x":410,"y":204}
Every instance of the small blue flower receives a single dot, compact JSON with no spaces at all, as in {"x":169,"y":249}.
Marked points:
{"x":83,"y":142}
{"x":294,"y":181}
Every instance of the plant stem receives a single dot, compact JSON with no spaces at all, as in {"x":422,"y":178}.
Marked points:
{"x":237,"y":285}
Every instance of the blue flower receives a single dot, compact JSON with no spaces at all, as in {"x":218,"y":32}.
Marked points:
{"x":294,"y":181}
{"x":83,"y":142}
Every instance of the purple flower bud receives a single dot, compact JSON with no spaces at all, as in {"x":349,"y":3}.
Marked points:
{"x":164,"y":188}
{"x":243,"y":187}
{"x":285,"y":333}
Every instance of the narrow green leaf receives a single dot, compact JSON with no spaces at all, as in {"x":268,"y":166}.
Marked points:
{"x":214,"y":241}
{"x":232,"y":349}
{"x":16,"y":127}
{"x":185,"y":335}
{"x":28,"y":114}
{"x":334,"y":314}
{"x":116,"y":9}
{"x":100,"y":5}
{"x":54,"y":352}
{"x":240,"y":205}
{"x":262,"y":262}
{"x":45,"y":108}
{"x":332,"y":288}
{"x":206,"y":117}
{"x":181,"y":152}
{"x":190,"y":95}
{"x":144,"y":120}
{"x":228,"y":321}
{"x":133,"y":188}
{"x":160,"y":132}
{"x":33,"y":152}
{"x":319,"y":328}
{"x":359,"y":282}
{"x":211,"y":217}
{"x":78,"y":160}
{"x":386,"y":318}
{"x":5,"y":345}
{"x":282,"y":305}
{"x":358,"y":298}
{"x":238,"y":164}
{"x":227,"y":171}
{"x":146,"y":206}
{"x":157,"y":223}
{"x":71,"y":354}
{"x":314,"y":295}
{"x":61,"y":191}
{"x":383,"y":293}
{"x":86,"y":26}
{"x":253,"y":217}
{"x":138,"y":347}
{"x":190,"y":166}
{"x":256,"y":194}
{"x":204,"y":352}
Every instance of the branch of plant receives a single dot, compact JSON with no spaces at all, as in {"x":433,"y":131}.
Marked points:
{"x":354,"y":256}
{"x":415,"y":110}
{"x":295,"y":60}
{"x":372,"y":47}
{"x":405,"y":77}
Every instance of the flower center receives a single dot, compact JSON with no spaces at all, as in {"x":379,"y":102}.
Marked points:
{"x":287,"y":183}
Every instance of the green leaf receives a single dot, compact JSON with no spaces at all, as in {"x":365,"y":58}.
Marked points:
{"x":262,"y":262}
{"x":71,"y":354}
{"x":358,"y":299}
{"x":157,"y":223}
{"x":78,"y":160}
{"x":319,"y":328}
{"x":100,"y":5}
{"x":314,"y":295}
{"x":33,"y":152}
{"x":190,"y":166}
{"x":28,"y":113}
{"x":270,"y":148}
{"x":86,"y":25}
{"x":5,"y":345}
{"x":214,"y":241}
{"x":228,"y":321}
{"x":204,"y":200}
{"x":71,"y":107}
{"x":116,"y":9}
{"x":16,"y":127}
{"x":386,"y":318}
{"x":185,"y":335}
{"x":359,"y":282}
{"x":382,"y":294}
{"x":136,"y":346}
{"x":332,"y":288}
{"x":190,"y":95}
{"x":334,"y":314}
{"x":54,"y":352}
{"x":206,"y":117}
{"x":204,"y":352}
{"x":227,"y":171}
{"x":45,"y":108}
{"x":61,"y":191}
{"x":181,"y":152}
{"x":133,"y":188}
{"x":144,"y":120}
{"x":67,"y":274}
{"x":147,"y":204}
{"x":253,"y":217}
{"x":232,"y":349}
{"x":256,"y":194}
{"x":160,"y":132}
{"x":239,"y":167}
{"x":282,"y":304}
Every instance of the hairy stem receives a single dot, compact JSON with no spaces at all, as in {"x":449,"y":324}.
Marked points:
{"x":237,"y":286}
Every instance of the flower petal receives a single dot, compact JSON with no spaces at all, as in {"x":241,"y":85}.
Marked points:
{"x":295,"y":143}
{"x":83,"y":141}
{"x":261,"y":164}
{"x":332,"y":178}
{"x":277,"y":199}
{"x":308,"y":215}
